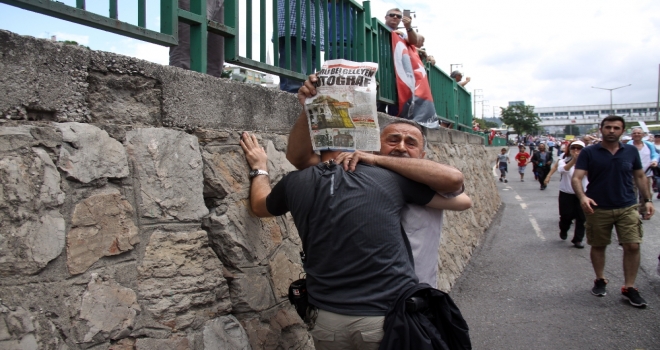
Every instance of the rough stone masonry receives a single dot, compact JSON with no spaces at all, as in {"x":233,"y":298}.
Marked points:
{"x":124,"y":220}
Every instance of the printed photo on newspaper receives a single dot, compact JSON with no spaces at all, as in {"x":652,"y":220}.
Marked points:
{"x":342,"y":115}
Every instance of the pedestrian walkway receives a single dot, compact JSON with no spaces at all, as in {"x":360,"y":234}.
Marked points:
{"x":525,"y":288}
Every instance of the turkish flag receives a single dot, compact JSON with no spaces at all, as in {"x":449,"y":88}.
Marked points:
{"x":414,"y":93}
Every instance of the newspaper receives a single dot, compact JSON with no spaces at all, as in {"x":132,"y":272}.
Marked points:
{"x":342,"y":115}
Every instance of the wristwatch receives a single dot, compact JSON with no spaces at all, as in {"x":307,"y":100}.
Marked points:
{"x":409,"y":29}
{"x":257,"y":172}
{"x":648,"y":200}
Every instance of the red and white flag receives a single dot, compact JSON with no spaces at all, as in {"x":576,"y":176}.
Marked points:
{"x":414,"y":93}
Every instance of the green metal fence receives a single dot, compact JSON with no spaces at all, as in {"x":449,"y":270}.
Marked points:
{"x":349,"y":31}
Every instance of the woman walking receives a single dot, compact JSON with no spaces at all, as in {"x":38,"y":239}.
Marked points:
{"x":569,"y":204}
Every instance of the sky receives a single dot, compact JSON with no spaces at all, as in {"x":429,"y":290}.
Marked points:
{"x":546,"y":53}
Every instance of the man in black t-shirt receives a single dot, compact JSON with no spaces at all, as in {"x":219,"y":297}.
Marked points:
{"x":358,"y":259}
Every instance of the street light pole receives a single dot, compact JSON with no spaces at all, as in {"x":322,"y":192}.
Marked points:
{"x":451,"y":67}
{"x":611,"y":111}
{"x":474,"y":101}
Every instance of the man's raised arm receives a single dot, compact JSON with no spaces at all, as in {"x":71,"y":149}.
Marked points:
{"x":299,"y":149}
{"x":260,"y":186}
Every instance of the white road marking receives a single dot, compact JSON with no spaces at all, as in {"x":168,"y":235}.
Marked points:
{"x":523,"y":205}
{"x":518,"y":198}
{"x":535,"y":224}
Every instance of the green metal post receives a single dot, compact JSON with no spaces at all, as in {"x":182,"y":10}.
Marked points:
{"x":317,"y":18}
{"x":248,"y":29}
{"x":287,"y":34}
{"x":308,"y":36}
{"x":262,"y":31}
{"x":360,"y":36}
{"x":80,"y":4}
{"x":113,"y":9}
{"x":326,"y":17}
{"x":231,"y":21}
{"x":276,"y":39}
{"x":198,"y":35}
{"x":169,"y":19}
{"x":298,"y":17}
{"x":142,"y":13}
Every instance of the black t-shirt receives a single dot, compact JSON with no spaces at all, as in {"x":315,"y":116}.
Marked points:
{"x":610,"y":175}
{"x":358,"y":258}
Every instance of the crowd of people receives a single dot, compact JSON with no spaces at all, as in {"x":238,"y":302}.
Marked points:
{"x":589,"y":169}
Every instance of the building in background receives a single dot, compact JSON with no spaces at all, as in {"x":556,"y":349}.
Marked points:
{"x":596,"y":111}
{"x":249,"y":76}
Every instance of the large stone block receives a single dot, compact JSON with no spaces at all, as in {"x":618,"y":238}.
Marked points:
{"x":285,"y":267}
{"x":168,"y":167}
{"x":21,"y":329}
{"x":124,"y":99}
{"x":30,"y":199}
{"x":241,"y":239}
{"x":108,"y":309}
{"x":277,"y":328}
{"x":180,"y":280}
{"x":225,"y":333}
{"x":42,"y":80}
{"x":251,"y":291}
{"x":102,"y":225}
{"x":88,"y":153}
{"x":234,"y":105}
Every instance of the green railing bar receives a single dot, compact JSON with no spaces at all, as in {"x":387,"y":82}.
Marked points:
{"x":326,"y":40}
{"x":308,"y":37}
{"x":317,"y":43}
{"x":248,"y":29}
{"x":169,"y":20}
{"x":198,"y":35}
{"x":142,"y":13}
{"x":113,"y":9}
{"x":220,"y":29}
{"x":262,"y":31}
{"x":276,"y":39}
{"x":76,"y":15}
{"x":287,"y":29}
{"x":360,"y":36}
{"x":231,"y":22}
{"x":191,"y":18}
{"x":80,"y":4}
{"x":298,"y":12}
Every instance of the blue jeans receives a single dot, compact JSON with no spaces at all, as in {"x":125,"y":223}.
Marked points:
{"x":288,"y":84}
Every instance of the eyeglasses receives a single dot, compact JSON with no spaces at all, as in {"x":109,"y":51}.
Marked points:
{"x":395,"y":15}
{"x":576,"y":147}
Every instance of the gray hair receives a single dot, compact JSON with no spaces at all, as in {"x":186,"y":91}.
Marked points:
{"x":637,"y":128}
{"x":455,"y":73}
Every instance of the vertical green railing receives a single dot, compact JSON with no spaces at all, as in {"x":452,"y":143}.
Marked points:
{"x":349,"y":31}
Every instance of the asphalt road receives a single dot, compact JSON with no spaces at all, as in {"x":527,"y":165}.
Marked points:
{"x":525,"y":288}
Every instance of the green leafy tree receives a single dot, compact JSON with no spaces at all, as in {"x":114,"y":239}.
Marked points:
{"x":521,"y":118}
{"x":571,"y":130}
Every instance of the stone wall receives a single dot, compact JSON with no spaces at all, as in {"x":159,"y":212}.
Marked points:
{"x":124,"y":220}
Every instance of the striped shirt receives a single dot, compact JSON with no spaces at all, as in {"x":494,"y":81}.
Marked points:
{"x":303,"y":20}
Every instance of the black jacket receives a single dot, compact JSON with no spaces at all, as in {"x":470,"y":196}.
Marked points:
{"x":441,"y":326}
{"x":536,"y":158}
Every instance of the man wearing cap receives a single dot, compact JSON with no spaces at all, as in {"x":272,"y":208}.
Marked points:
{"x":609,"y":201}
